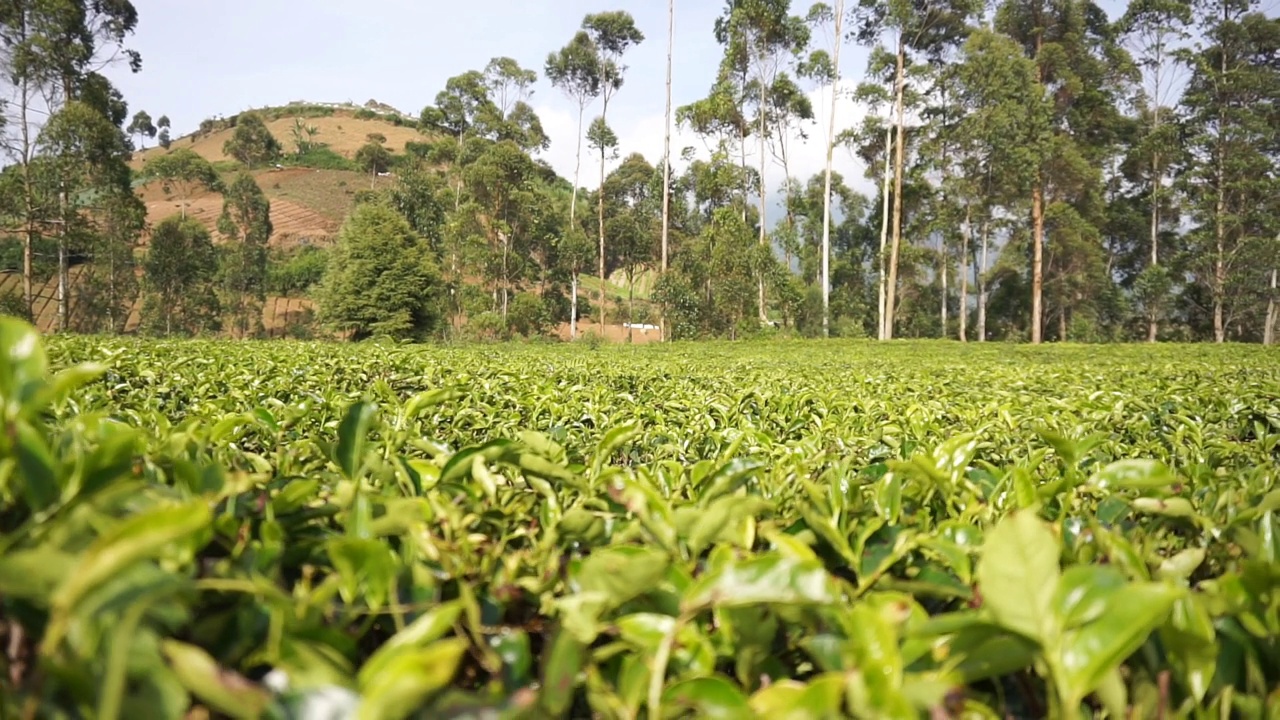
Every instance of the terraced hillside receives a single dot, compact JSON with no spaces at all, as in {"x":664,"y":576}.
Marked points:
{"x":307,"y":205}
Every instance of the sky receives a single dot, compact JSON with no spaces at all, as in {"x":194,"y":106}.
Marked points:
{"x":207,"y":59}
{"x":202,"y":59}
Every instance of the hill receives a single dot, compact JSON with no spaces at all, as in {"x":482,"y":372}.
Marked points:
{"x":310,"y":197}
{"x":343,"y":128}
{"x":308,"y":204}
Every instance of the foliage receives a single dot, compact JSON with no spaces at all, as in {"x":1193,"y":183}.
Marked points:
{"x":246,"y":224}
{"x":296,"y":272}
{"x":716,"y":530}
{"x":179,"y":289}
{"x":252,"y":144}
{"x":381,"y":278}
{"x":183,"y":171}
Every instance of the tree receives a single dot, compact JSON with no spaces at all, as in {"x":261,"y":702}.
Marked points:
{"x":632,"y":216}
{"x":761,"y":37}
{"x":666,"y":152}
{"x":833,"y":76}
{"x":142,"y":127}
{"x":1084,"y":72}
{"x":251,"y":143}
{"x":163,"y":124}
{"x":1004,"y":133}
{"x":108,"y":286}
{"x":185,"y":171}
{"x":1154,"y":29}
{"x":1233,"y":131}
{"x":381,"y":278}
{"x":373,"y":157}
{"x":84,"y":156}
{"x":501,"y":180}
{"x":246,"y":223}
{"x":575,"y":69}
{"x":52,"y":52}
{"x":304,"y":136}
{"x":180,"y":279}
{"x":462,"y":111}
{"x":920,"y":28}
{"x":612,"y":33}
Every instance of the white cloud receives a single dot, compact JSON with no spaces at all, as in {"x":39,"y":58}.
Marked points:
{"x":644,"y":134}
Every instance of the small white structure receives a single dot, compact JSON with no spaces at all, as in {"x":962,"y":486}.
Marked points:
{"x":642,"y":327}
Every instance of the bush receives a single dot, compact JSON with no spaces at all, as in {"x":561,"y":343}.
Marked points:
{"x":12,"y":304}
{"x":381,"y":278}
{"x":527,"y":315}
{"x":297,"y":271}
{"x":319,"y":158}
{"x":484,"y":327}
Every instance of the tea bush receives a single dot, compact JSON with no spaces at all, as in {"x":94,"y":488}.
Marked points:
{"x":785,"y":530}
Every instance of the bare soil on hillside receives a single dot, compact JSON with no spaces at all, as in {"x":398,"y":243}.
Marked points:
{"x":307,"y":206}
{"x":343,"y":133}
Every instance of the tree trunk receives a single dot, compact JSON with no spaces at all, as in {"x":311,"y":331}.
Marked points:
{"x":982,"y":286}
{"x":1269,"y":331}
{"x":892,"y":282}
{"x":63,"y":309}
{"x":577,"y":168}
{"x":826,"y":192}
{"x":881,"y":260}
{"x":1157,"y":181}
{"x":64,"y":299}
{"x":1037,"y":274}
{"x":457,"y":187}
{"x":1220,"y":211}
{"x":631,"y":307}
{"x":1037,"y":225}
{"x":1220,"y":258}
{"x":600,"y":220}
{"x":943,"y":276}
{"x":573,"y":305}
{"x":666,"y":159}
{"x":964,"y":273}
{"x":1153,"y":324}
{"x":28,"y":200}
{"x":764,"y":314}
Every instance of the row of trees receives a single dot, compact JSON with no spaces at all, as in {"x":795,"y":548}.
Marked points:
{"x":1047,"y":172}
{"x":1044,"y":171}
{"x":68,"y":190}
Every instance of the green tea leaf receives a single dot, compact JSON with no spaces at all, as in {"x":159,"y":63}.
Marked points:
{"x":23,"y":367}
{"x":564,"y":660}
{"x":768,"y":578}
{"x":145,"y":535}
{"x":408,"y":679}
{"x":39,"y":472}
{"x":706,"y":697}
{"x":221,"y":689}
{"x":1018,"y":574}
{"x":1133,"y":474}
{"x":622,"y":573}
{"x":428,"y":628}
{"x":1096,"y":649}
{"x":353,"y":433}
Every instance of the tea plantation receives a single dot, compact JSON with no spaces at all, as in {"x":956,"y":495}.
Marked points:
{"x":779,"y":530}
